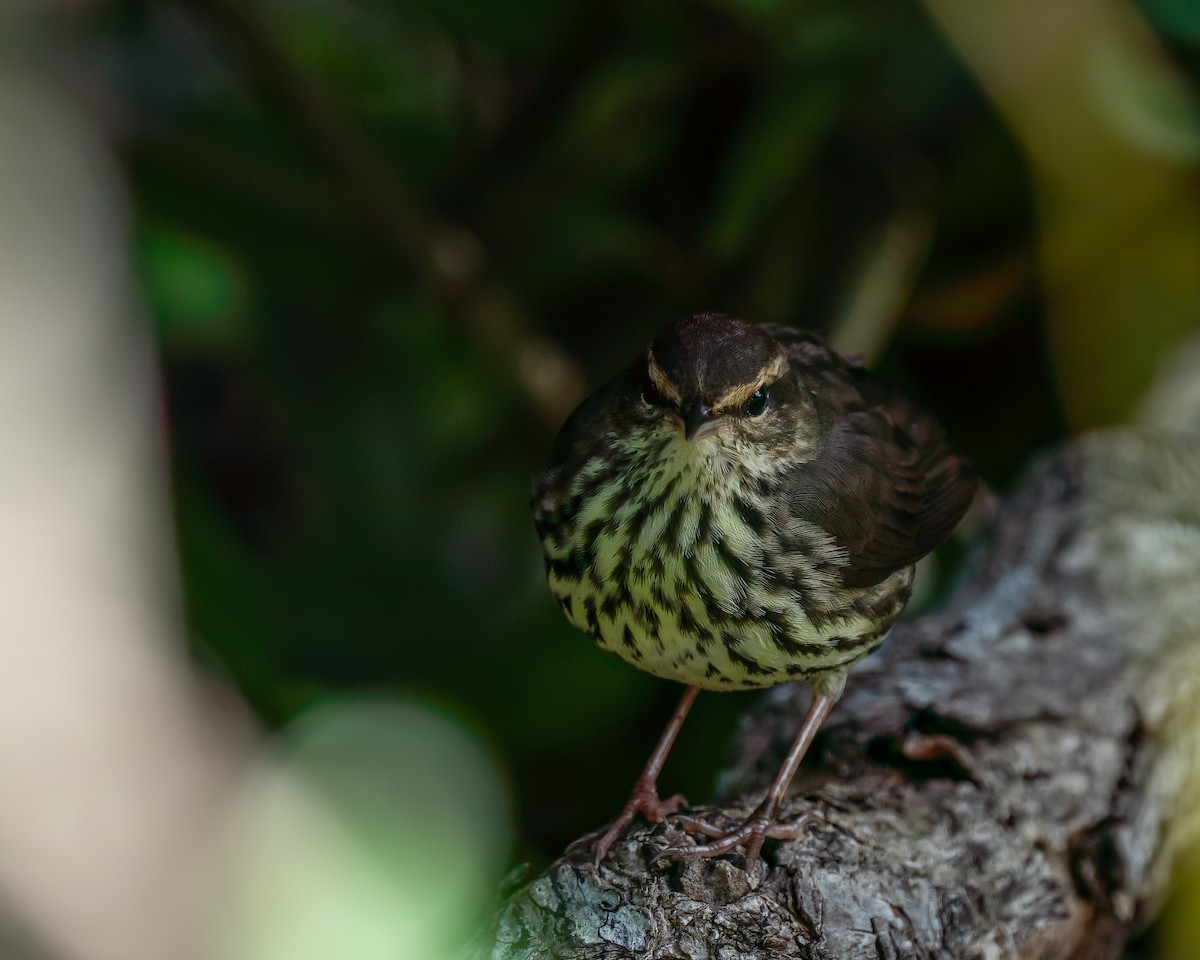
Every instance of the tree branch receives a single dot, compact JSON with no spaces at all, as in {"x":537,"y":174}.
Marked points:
{"x":1005,"y":779}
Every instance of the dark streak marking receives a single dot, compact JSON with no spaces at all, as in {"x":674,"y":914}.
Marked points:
{"x":822,"y":619}
{"x":670,"y":534}
{"x":591,"y":534}
{"x":741,"y":570}
{"x":637,"y":522}
{"x":781,"y":637}
{"x":593,"y":622}
{"x":749,"y":664}
{"x":687,"y":623}
{"x":704,"y":526}
{"x":630,"y":643}
{"x":660,"y":499}
{"x":754,"y":518}
{"x":570,"y":567}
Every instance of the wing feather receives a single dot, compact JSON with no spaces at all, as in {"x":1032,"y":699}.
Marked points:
{"x":884,"y":484}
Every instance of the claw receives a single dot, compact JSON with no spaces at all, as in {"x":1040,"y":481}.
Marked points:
{"x":760,"y":825}
{"x":791,"y":829}
{"x":751,"y":833}
{"x":696,"y":825}
{"x":644,"y":800}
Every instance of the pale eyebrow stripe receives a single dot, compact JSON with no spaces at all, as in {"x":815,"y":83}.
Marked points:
{"x":736,"y":396}
{"x":660,"y":380}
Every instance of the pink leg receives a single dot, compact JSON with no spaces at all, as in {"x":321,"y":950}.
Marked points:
{"x":643,"y":798}
{"x":761,"y":824}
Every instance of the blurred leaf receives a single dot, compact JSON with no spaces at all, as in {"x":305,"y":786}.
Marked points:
{"x":754,"y":9}
{"x":961,"y":304}
{"x":565,"y":689}
{"x":770,"y":156}
{"x":390,"y":64}
{"x":229,"y":598}
{"x":196,"y":292}
{"x":1180,"y":18}
{"x":455,"y":402}
{"x":381,"y":835}
{"x":509,"y":30}
{"x":1119,"y":219}
{"x":1149,"y":103}
{"x":583,"y":239}
{"x":618,"y":121}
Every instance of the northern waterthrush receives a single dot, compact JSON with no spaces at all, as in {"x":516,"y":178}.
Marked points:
{"x":739,"y":508}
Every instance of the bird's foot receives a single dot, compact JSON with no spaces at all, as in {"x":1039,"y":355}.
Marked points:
{"x":750,"y":834}
{"x":643,"y":799}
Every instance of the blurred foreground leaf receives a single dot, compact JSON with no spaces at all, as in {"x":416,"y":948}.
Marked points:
{"x":380,"y":834}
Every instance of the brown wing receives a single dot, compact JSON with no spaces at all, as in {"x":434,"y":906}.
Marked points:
{"x":885,"y":485}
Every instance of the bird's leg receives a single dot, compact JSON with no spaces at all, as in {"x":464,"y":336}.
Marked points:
{"x":761,"y":824}
{"x":643,"y":798}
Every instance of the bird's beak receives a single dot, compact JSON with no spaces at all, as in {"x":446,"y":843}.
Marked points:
{"x":699,"y":421}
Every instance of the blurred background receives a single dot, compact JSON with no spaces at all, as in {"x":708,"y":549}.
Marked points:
{"x":385,"y":246}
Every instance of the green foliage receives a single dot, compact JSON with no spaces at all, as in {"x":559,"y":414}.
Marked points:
{"x":194,"y":290}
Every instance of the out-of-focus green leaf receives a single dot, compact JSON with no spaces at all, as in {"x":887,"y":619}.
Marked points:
{"x":618,"y":122}
{"x":380,"y":835}
{"x":771,"y":154}
{"x":543,"y":701}
{"x":230,"y":598}
{"x":500,"y":26}
{"x":455,"y":402}
{"x":1180,"y":18}
{"x":1152,"y":107}
{"x":583,"y":239}
{"x":196,"y":290}
{"x":392,"y":66}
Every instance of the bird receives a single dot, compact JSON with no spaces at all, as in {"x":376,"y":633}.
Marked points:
{"x":738,"y":508}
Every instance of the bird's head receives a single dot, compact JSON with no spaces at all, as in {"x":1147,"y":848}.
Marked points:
{"x":716,"y":377}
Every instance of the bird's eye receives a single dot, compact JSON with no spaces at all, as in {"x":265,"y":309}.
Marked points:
{"x":758,"y":403}
{"x":650,"y":394}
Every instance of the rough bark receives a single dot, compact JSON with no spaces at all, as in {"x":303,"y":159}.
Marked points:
{"x":1008,"y":777}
